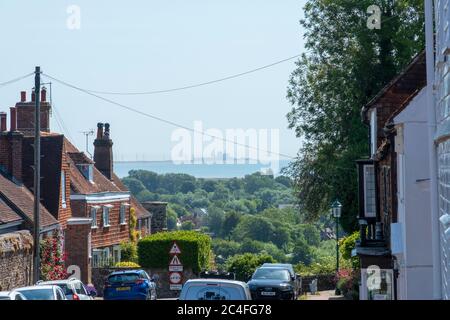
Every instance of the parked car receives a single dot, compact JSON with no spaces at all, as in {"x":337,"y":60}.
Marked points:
{"x":295,"y":276}
{"x":11,"y":295}
{"x":44,"y":292}
{"x":129,"y":285}
{"x":215,"y":289}
{"x":73,"y":288}
{"x":272,"y":283}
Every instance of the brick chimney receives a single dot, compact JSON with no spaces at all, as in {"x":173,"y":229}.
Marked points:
{"x":159,"y":215}
{"x":13,"y":125}
{"x":103,"y":155}
{"x":25,"y":113}
{"x":2,"y":121}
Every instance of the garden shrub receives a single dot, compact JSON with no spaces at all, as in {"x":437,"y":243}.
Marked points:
{"x":153,"y":250}
{"x":244,"y":265}
{"x":128,"y":251}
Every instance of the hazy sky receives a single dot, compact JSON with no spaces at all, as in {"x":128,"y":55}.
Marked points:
{"x":152,"y":45}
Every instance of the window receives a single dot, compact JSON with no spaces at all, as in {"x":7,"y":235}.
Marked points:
{"x":63,"y":189}
{"x":369,"y":191}
{"x":373,"y":131}
{"x":94,"y":217}
{"x":122,"y":214}
{"x":87,"y":171}
{"x":106,"y":216}
{"x":116,"y":254}
{"x":386,"y":188}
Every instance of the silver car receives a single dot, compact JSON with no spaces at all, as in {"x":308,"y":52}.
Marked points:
{"x":44,"y":292}
{"x":73,"y":288}
{"x":11,"y":295}
{"x":215,"y":289}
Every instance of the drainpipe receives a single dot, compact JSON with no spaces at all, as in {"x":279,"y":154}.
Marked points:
{"x":435,"y":228}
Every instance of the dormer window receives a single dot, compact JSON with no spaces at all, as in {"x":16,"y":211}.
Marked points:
{"x":87,"y":170}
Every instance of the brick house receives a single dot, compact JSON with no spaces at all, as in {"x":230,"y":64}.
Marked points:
{"x":87,"y":200}
{"x":390,"y":236}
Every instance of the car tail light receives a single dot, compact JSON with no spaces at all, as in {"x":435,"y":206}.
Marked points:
{"x":139,"y":281}
{"x":76,"y":297}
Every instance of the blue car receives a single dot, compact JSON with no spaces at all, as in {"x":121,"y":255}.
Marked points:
{"x":129,"y":285}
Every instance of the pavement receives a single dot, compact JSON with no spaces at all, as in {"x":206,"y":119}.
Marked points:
{"x":324,"y":295}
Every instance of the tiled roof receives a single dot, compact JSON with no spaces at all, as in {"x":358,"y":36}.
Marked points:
{"x":396,"y":92}
{"x":141,"y":212}
{"x":79,"y":183}
{"x":7,"y":214}
{"x":79,"y":158}
{"x":21,"y":200}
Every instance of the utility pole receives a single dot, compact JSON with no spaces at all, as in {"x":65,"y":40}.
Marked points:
{"x":37,"y":174}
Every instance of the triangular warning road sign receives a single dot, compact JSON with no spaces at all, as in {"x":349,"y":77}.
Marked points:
{"x":175,"y":261}
{"x":175,"y":249}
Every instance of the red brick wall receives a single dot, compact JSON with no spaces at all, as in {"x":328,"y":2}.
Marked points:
{"x":65,"y":213}
{"x":77,"y":249}
{"x":11,"y":154}
{"x":104,"y":236}
{"x":25,"y":117}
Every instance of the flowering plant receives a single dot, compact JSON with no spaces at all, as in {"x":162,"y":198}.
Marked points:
{"x":52,"y":258}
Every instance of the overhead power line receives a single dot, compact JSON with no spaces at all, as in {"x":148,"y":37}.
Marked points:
{"x":172,"y":123}
{"x":16,"y":79}
{"x":194,"y":85}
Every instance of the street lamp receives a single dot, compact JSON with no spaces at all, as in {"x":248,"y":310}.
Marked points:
{"x":336,"y":209}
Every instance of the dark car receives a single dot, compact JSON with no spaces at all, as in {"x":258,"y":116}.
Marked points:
{"x":129,"y":285}
{"x":290,"y":267}
{"x":272,"y":283}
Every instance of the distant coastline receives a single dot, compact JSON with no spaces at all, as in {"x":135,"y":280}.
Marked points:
{"x":203,"y":170}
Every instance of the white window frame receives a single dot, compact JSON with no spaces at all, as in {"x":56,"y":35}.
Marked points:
{"x":373,"y":131}
{"x":122,"y":214}
{"x":368,"y":214}
{"x":63,"y":189}
{"x":106,"y":215}
{"x":93,"y":213}
{"x":116,"y":249}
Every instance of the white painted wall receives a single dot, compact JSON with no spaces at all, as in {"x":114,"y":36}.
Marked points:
{"x":416,"y":264}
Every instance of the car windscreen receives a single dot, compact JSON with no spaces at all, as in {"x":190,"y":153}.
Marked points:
{"x":213,"y":293}
{"x":65,"y":288}
{"x":269,"y":273}
{"x":38,"y":294}
{"x":125,"y":277}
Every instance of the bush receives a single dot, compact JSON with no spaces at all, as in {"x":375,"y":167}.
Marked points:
{"x":348,"y":283}
{"x":346,"y":245}
{"x":128,"y":251}
{"x":153,"y":250}
{"x":127,"y":264}
{"x":244,"y":265}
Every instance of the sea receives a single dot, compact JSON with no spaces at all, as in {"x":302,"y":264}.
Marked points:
{"x":121,"y":168}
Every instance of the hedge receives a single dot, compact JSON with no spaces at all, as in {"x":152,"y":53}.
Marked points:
{"x":195,"y":247}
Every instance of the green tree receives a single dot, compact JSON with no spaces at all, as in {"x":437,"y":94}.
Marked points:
{"x":215,"y":219}
{"x":254,"y":227}
{"x":244,"y":265}
{"x":302,"y":253}
{"x":171,"y":219}
{"x":134,"y":185}
{"x":230,"y":222}
{"x":346,"y":64}
{"x":187,"y":225}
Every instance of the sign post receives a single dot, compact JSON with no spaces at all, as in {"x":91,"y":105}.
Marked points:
{"x":175,"y":268}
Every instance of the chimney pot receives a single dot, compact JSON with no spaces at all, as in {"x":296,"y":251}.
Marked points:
{"x":33,"y":96}
{"x":13,"y":119}
{"x":44,"y":94}
{"x":107,"y":130}
{"x":23,"y":96}
{"x":2,"y":121}
{"x":99,"y":130}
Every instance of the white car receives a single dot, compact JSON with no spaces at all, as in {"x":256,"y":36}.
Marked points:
{"x":11,"y":295}
{"x":44,"y":292}
{"x":215,"y":289}
{"x":73,"y":288}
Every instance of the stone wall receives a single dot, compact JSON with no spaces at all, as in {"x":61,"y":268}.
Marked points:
{"x":159,"y":215}
{"x":16,"y":260}
{"x":99,"y":276}
{"x":324,"y":282}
